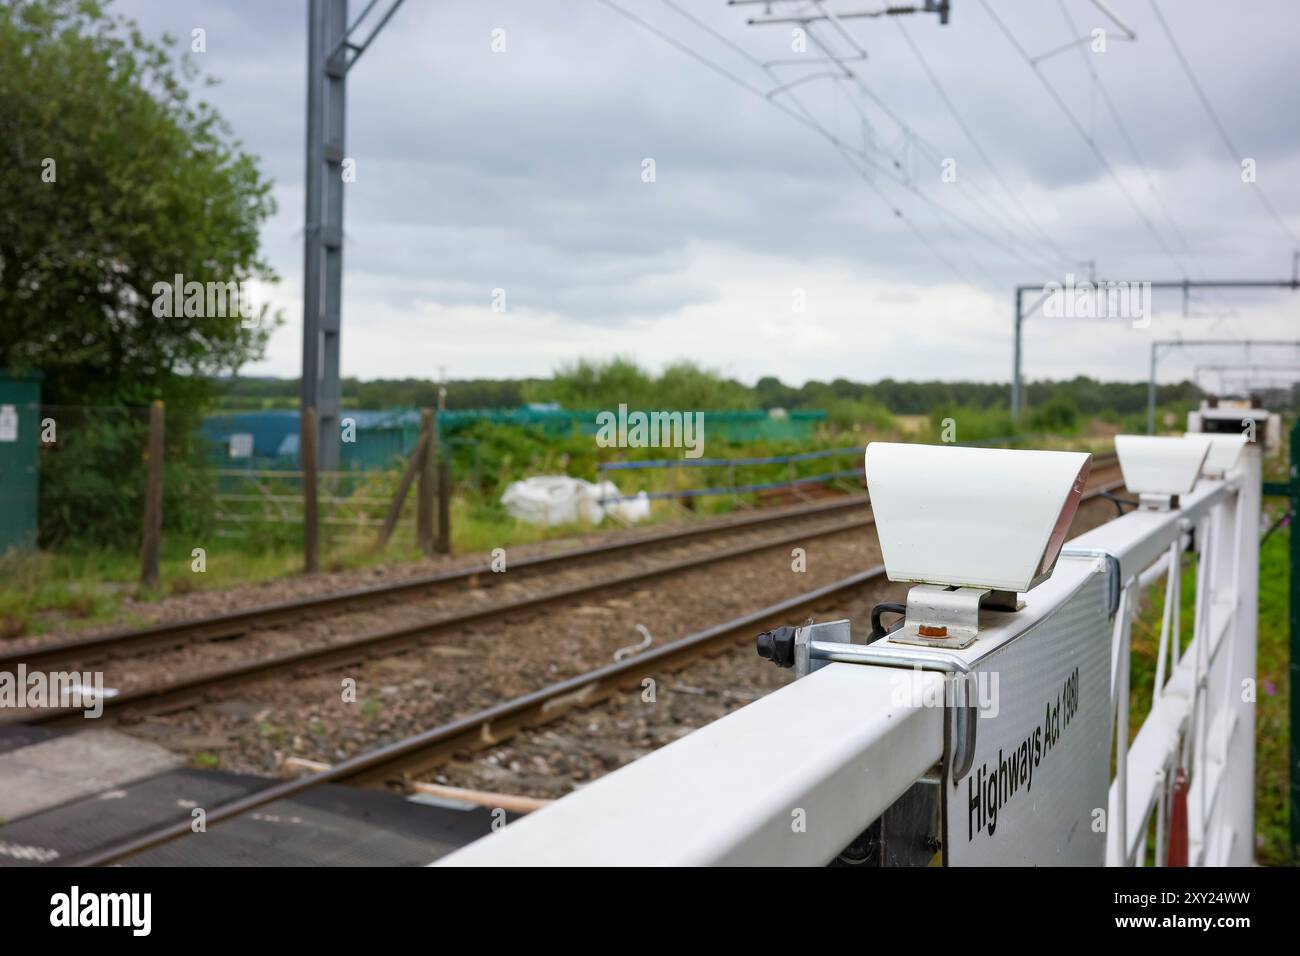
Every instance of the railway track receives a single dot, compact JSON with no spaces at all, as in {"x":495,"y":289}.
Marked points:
{"x":116,"y":644}
{"x":422,"y":752}
{"x":179,"y":692}
{"x":84,"y":651}
{"x":186,"y":690}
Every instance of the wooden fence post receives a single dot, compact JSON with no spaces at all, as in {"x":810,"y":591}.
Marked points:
{"x":444,"y":507}
{"x":424,"y":496}
{"x":153,"y":500}
{"x":413,"y":465}
{"x":310,"y":528}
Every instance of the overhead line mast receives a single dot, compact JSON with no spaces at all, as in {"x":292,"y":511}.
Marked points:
{"x":331,"y":53}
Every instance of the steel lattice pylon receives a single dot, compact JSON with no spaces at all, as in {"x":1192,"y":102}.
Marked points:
{"x":331,"y":52}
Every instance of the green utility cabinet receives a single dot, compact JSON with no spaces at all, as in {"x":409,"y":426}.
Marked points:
{"x":20,"y":414}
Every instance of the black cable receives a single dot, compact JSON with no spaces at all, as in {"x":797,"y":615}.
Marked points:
{"x":1118,"y":501}
{"x":877,"y":629}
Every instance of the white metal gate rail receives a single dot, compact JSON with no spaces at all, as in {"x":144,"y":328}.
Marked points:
{"x":1203,"y":712}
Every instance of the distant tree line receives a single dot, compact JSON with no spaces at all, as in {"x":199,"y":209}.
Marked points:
{"x":258,"y":393}
{"x":597,"y":385}
{"x":1088,"y":395}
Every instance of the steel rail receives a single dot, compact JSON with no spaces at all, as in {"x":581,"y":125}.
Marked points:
{"x":489,"y":725}
{"x":230,"y":624}
{"x":234,"y":623}
{"x":187,"y":690}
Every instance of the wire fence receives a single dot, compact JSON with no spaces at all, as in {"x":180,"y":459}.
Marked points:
{"x":352,"y":506}
{"x":742,"y":477}
{"x":91,"y":477}
{"x":88,"y":488}
{"x":755,"y":475}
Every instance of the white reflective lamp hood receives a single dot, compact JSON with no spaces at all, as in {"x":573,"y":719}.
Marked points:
{"x":1157,"y":469}
{"x":990,"y":518}
{"x":1225,"y":449}
{"x":1229,"y":417}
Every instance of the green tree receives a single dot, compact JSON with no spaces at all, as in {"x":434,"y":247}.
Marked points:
{"x":116,"y":177}
{"x":587,"y":385}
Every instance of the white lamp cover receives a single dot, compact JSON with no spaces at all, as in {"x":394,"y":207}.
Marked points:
{"x":973,"y":517}
{"x":1156,"y":465}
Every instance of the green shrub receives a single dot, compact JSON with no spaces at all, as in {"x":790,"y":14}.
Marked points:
{"x":92,"y":479}
{"x":971,"y":424}
{"x":859,"y":415}
{"x":1058,"y":417}
{"x":682,"y":385}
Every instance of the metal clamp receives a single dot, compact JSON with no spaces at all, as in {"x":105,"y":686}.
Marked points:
{"x":1150,"y":501}
{"x":801,"y":651}
{"x":939,"y":616}
{"x":1114,"y":584}
{"x":959,"y":745}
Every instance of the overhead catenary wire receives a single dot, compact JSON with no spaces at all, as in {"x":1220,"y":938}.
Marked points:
{"x":1258,"y":190}
{"x":851,"y":155}
{"x":1083,"y":133}
{"x":1117,"y":116}
{"x":1031,"y":256}
{"x":975,"y":143}
{"x":914,"y":137}
{"x":855,"y":156}
{"x":834,"y":140}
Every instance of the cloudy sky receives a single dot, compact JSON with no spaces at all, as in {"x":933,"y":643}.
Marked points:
{"x":522,"y":170}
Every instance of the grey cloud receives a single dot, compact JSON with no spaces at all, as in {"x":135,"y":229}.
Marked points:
{"x":478,"y":170}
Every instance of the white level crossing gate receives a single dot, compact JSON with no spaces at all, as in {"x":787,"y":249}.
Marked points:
{"x":1202,"y":718}
{"x":927,"y":746}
